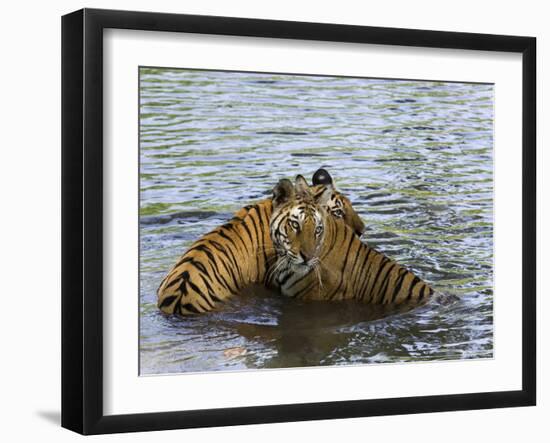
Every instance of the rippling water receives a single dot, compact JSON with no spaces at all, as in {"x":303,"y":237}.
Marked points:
{"x":415,"y":158}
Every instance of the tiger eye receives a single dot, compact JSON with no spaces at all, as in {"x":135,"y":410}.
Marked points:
{"x":294,"y":225}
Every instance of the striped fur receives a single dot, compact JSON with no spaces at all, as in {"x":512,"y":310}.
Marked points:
{"x":222,"y":263}
{"x":320,"y":258}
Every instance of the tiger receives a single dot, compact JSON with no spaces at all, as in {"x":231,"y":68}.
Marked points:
{"x":337,"y":204}
{"x":319,"y":257}
{"x":237,"y":254}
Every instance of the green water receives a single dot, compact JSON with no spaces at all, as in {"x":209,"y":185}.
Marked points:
{"x":415,"y":158}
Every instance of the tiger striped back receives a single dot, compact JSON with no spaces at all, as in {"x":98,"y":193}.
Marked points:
{"x":220,"y":264}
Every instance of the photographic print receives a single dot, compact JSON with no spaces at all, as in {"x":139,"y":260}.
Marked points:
{"x":292,"y":221}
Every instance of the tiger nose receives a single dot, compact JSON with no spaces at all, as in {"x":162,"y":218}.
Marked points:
{"x":305,"y":257}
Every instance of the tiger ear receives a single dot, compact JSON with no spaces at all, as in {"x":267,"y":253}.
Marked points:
{"x":301,"y":185}
{"x":282,"y":192}
{"x":321,"y":177}
{"x":324,"y":198}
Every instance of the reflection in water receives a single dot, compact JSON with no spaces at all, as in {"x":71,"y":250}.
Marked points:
{"x":415,"y":158}
{"x":309,"y":333}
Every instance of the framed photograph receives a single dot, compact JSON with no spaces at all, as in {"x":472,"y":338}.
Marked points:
{"x":268,"y":221}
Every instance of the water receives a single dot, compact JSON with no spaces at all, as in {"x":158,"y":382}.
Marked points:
{"x":415,"y":158}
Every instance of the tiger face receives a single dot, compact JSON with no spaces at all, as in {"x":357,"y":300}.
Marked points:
{"x":297,"y":225}
{"x":336,"y":204}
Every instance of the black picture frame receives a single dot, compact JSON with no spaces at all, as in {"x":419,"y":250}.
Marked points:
{"x":82,"y":218}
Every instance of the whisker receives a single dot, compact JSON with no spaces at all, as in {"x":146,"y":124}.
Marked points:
{"x":329,"y":270}
{"x":278,"y":265}
{"x":318,"y":273}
